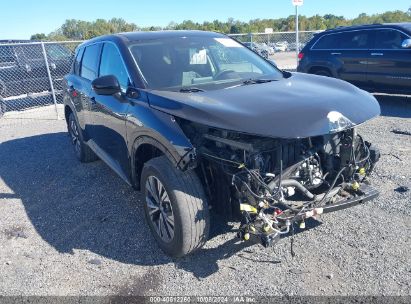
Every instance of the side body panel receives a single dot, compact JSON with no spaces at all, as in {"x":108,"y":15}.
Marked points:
{"x":146,"y":125}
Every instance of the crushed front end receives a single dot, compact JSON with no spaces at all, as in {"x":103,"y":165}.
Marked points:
{"x":273,"y":184}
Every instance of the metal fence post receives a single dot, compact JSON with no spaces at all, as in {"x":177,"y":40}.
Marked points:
{"x":297,"y":38}
{"x":53,"y":93}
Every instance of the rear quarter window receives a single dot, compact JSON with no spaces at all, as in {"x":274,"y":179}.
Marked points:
{"x":89,"y":64}
{"x":77,"y":62}
{"x":325,"y":42}
{"x":351,"y":40}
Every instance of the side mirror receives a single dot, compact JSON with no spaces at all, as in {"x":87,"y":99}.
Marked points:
{"x":106,"y":85}
{"x":406,"y":44}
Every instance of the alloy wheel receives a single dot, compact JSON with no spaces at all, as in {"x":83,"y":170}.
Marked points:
{"x":75,"y":136}
{"x":159,"y":209}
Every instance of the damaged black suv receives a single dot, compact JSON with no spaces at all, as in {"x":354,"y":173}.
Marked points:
{"x":197,"y":121}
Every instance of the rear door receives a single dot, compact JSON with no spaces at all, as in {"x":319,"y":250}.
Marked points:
{"x":75,"y":90}
{"x":389,"y":64}
{"x":82,"y":85}
{"x":108,"y":113}
{"x":352,"y":52}
{"x":346,"y":54}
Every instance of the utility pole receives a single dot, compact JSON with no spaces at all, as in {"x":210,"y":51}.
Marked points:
{"x":297,"y":38}
{"x":297,"y":3}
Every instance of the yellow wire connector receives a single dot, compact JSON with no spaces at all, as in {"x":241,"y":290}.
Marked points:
{"x":361,"y":171}
{"x":248,"y":208}
{"x":355,"y":186}
{"x":266,"y":228}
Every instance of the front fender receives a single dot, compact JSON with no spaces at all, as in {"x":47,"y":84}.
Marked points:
{"x":146,"y":125}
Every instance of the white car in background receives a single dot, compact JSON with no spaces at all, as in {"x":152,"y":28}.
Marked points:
{"x":281,"y":46}
{"x":270,"y":50}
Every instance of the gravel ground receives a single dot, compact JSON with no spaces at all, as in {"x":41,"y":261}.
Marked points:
{"x":68,"y":228}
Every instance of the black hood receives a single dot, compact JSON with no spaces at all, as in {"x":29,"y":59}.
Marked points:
{"x":296,"y":107}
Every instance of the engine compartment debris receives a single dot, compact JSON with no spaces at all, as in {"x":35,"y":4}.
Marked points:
{"x":274,"y":183}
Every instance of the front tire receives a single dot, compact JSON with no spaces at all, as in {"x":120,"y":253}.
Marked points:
{"x":175,"y":207}
{"x":82,"y":151}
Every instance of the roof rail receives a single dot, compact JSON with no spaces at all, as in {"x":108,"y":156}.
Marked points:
{"x":353,"y":26}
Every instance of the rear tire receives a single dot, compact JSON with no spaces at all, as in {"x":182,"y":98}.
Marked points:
{"x":82,"y":151}
{"x":175,"y":207}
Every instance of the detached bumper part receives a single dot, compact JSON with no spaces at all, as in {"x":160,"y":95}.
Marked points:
{"x":368,"y":193}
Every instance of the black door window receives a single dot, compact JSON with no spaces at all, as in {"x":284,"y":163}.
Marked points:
{"x":112,"y":64}
{"x":326,"y":42}
{"x":389,"y":39}
{"x":58,"y":52}
{"x":354,"y":40}
{"x":7,"y":54}
{"x":90,"y":61}
{"x":33,"y":52}
{"x":77,"y":61}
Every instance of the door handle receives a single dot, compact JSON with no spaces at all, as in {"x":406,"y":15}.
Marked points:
{"x":335,"y":54}
{"x":377,"y":54}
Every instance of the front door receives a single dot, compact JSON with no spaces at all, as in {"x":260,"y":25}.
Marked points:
{"x":109,"y":113}
{"x":389,"y":65}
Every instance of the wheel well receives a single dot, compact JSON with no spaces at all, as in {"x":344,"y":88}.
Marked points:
{"x":315,"y":69}
{"x":143,"y":154}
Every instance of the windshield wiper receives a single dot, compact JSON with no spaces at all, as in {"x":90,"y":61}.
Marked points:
{"x":191,"y":90}
{"x":253,"y":81}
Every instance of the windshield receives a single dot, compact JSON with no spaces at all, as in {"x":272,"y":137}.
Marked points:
{"x":204,"y":63}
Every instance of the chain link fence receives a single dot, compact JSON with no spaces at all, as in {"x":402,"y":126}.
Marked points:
{"x":281,"y":47}
{"x":31,"y":75}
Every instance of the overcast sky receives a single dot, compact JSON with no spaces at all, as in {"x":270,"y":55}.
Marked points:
{"x":19,"y":19}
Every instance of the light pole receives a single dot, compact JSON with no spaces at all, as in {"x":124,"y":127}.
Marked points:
{"x":297,"y":3}
{"x":297,"y":40}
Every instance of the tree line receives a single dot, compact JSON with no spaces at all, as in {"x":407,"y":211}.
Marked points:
{"x":73,"y":29}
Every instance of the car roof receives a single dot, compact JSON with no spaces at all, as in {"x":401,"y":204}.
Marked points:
{"x":128,"y":37}
{"x":403,"y":26}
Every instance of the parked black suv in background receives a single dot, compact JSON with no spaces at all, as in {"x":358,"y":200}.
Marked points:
{"x":374,"y":57}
